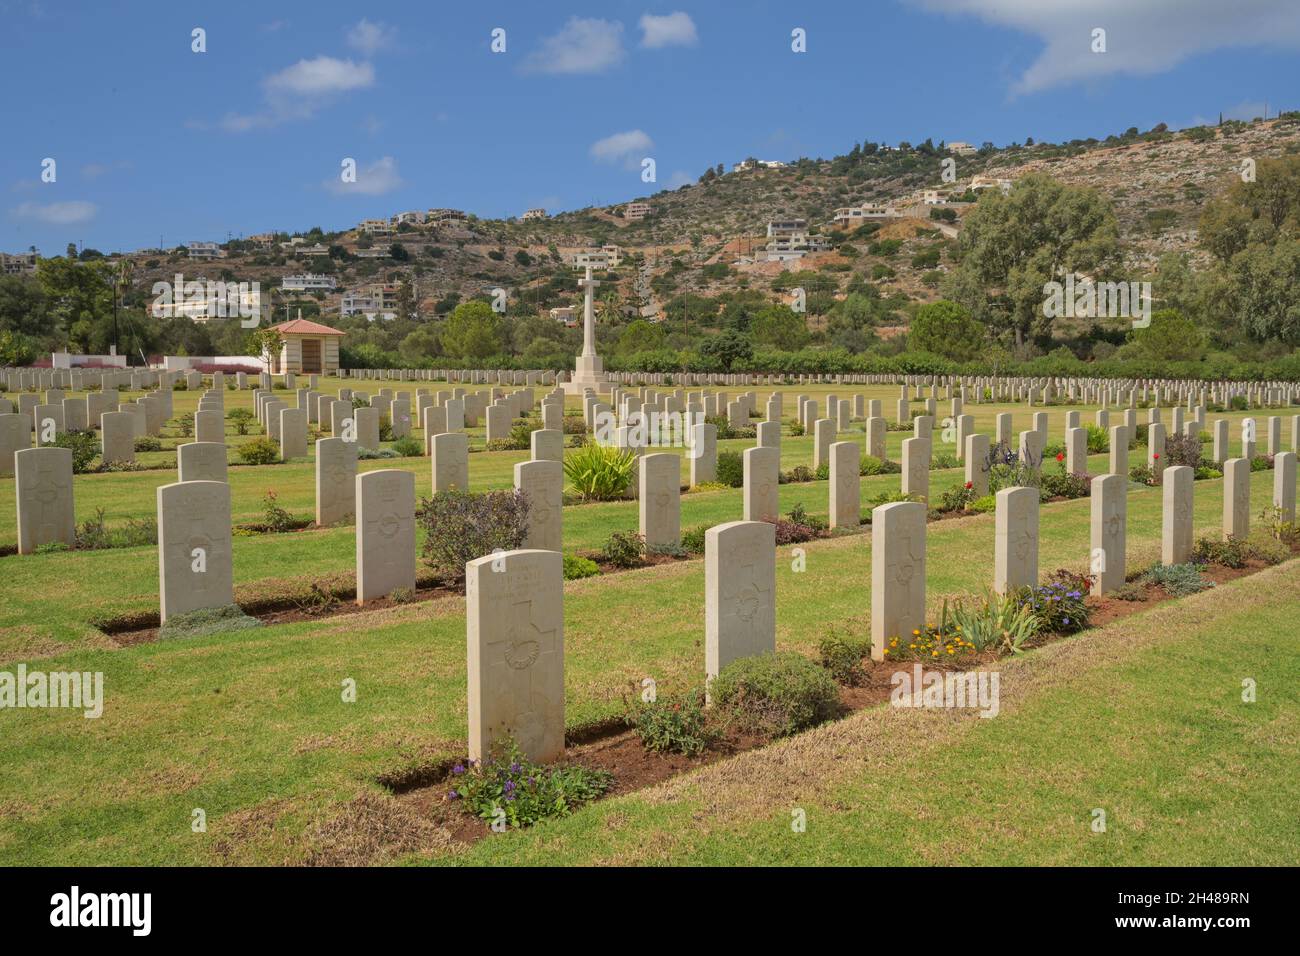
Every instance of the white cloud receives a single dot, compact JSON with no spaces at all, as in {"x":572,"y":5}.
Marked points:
{"x":67,"y":213}
{"x":673,"y":29}
{"x":378,"y":178}
{"x":1142,"y":38}
{"x":298,"y":91}
{"x":322,"y":76}
{"x":370,"y":38}
{"x":628,"y":148}
{"x":582,"y":46}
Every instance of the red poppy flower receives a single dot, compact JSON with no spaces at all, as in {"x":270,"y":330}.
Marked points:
{"x":1156,"y":456}
{"x":970,"y":484}
{"x":1060,"y":456}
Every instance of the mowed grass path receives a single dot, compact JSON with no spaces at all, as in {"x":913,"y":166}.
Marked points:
{"x":251,"y":727}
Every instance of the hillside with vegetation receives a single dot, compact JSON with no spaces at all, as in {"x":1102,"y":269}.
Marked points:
{"x":961,"y":287}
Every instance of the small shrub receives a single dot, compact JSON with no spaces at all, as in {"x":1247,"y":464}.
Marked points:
{"x":889,"y":497}
{"x":576,"y":567}
{"x":1183,"y":450}
{"x":730,"y":469}
{"x":957,"y":498}
{"x":843,"y":657}
{"x":1177,"y":579}
{"x":1230,"y":553}
{"x":526,"y":792}
{"x":402,"y":595}
{"x":624,"y":549}
{"x":600,"y":473}
{"x":720,"y":423}
{"x":373,"y":454}
{"x":84,"y":447}
{"x":240,"y":418}
{"x":943,"y":461}
{"x":1206,"y":473}
{"x":1066,"y":484}
{"x":799,"y":515}
{"x":408,"y":447}
{"x":871,"y":465}
{"x":823,"y":472}
{"x":460,"y":526}
{"x":277,"y":519}
{"x":985,"y":505}
{"x":796,"y":475}
{"x":1262,"y":546}
{"x":1261,"y":463}
{"x":790,"y":532}
{"x":147,"y":443}
{"x":1142,"y":475}
{"x":1058,"y":606}
{"x":186,"y":424}
{"x":673,"y":724}
{"x":693,"y":539}
{"x":1098,"y":440}
{"x":776,"y":694}
{"x":259,"y":451}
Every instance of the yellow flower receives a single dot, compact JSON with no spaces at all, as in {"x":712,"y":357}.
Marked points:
{"x":916,"y":632}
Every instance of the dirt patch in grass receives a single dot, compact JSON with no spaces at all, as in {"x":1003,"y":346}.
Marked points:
{"x":373,"y":828}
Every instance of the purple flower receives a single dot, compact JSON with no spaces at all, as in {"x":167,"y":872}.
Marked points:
{"x":510,"y":796}
{"x":514,"y":767}
{"x":510,"y":785}
{"x":458,"y":769}
{"x":453,"y":795}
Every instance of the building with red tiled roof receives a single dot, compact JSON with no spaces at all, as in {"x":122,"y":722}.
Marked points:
{"x":306,"y":347}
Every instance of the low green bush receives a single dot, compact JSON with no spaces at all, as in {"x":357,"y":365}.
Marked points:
{"x":844,"y":658}
{"x":408,"y":447}
{"x":730,"y":469}
{"x":624,"y":549}
{"x":460,"y":526}
{"x":509,"y":787}
{"x":693,"y":539}
{"x":259,"y":451}
{"x":147,"y":443}
{"x":84,"y":446}
{"x":1178,"y":579}
{"x":674,"y":724}
{"x":578,"y":567}
{"x":1231,"y":552}
{"x":776,"y":694}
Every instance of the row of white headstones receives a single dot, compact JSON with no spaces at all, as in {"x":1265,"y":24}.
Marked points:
{"x":515,"y":598}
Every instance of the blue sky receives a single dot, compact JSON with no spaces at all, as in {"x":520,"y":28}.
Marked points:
{"x":154,"y":141}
